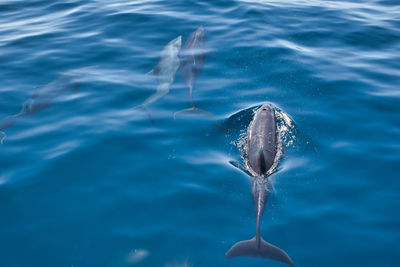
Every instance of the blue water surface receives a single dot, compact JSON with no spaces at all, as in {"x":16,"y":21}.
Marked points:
{"x":89,"y":181}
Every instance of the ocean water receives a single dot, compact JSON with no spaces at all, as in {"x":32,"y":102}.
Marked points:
{"x":88,"y":181}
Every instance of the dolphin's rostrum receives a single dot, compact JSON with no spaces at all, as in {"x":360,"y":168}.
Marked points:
{"x":164,"y":71}
{"x":261,"y":150}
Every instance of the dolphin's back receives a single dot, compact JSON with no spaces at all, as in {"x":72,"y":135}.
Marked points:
{"x":262,"y":141}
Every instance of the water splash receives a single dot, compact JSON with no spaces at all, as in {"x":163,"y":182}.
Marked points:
{"x":286,"y":137}
{"x":286,"y":128}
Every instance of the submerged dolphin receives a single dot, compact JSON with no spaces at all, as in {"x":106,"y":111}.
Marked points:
{"x":164,"y":71}
{"x":193,"y":56}
{"x":261,"y":150}
{"x":42,"y":98}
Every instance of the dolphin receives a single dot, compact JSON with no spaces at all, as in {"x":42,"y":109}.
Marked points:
{"x":164,"y":71}
{"x":193,"y":56}
{"x":261,"y":150}
{"x":41,"y":98}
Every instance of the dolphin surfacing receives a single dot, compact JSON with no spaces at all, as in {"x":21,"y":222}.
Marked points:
{"x":261,"y":150}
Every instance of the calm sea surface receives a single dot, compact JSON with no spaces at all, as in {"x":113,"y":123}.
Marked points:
{"x":89,"y":181}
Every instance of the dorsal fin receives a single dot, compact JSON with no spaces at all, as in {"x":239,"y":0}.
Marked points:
{"x":263,"y":168}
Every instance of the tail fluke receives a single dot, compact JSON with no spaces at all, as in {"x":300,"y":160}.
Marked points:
{"x":197,"y":110}
{"x":143,"y":108}
{"x":259,"y":248}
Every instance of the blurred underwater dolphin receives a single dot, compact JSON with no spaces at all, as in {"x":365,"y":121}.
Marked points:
{"x":193,"y":56}
{"x":261,"y":151}
{"x":41,"y":98}
{"x":164,"y":71}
